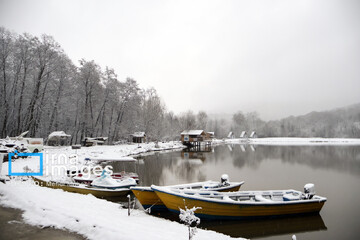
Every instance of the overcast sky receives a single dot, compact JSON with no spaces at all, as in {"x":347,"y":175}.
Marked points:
{"x":278,"y":58}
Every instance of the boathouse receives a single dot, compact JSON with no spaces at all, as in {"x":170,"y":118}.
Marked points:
{"x":210,"y":135}
{"x":253,"y":135}
{"x":194,"y":138}
{"x":138,"y":137}
{"x":243,"y":134}
{"x":230,"y":135}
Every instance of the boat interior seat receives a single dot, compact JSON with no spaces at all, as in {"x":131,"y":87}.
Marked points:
{"x":291,"y":197}
{"x":261,"y":198}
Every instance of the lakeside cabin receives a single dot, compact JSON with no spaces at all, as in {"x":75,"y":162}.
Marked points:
{"x":138,"y":137}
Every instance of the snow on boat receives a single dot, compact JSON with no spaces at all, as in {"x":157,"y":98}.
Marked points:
{"x":242,"y":204}
{"x":82,"y":188}
{"x":106,"y":181}
{"x":87,"y":179}
{"x":148,"y":198}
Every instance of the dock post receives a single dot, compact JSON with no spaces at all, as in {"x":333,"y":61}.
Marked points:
{"x":128,"y":196}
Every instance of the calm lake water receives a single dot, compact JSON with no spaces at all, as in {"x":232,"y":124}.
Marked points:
{"x":335,"y":171}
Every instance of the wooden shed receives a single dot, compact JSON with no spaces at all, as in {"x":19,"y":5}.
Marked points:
{"x":58,"y":138}
{"x":138,"y":137}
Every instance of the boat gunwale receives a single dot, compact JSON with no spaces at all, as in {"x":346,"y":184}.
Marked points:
{"x":232,"y":185}
{"x":239,"y":203}
{"x":60,"y":185}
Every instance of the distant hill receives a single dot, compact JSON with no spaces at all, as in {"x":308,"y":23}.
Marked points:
{"x":340,"y":122}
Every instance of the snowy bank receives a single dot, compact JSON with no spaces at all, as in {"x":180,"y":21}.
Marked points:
{"x":305,"y":141}
{"x":89,"y":216}
{"x":59,"y":155}
{"x":292,"y":141}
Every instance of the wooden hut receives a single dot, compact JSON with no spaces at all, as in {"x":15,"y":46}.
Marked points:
{"x":138,"y":137}
{"x":58,"y":138}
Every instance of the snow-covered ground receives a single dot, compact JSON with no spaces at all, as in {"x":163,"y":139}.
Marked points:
{"x":66,"y":156}
{"x":89,"y":216}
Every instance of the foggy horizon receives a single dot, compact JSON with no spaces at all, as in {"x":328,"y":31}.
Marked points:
{"x":277,"y":58}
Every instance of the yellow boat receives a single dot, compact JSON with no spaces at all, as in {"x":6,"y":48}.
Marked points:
{"x":242,"y":204}
{"x":148,"y":198}
{"x":82,"y":188}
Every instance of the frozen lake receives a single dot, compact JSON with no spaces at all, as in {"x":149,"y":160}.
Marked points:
{"x":335,"y":171}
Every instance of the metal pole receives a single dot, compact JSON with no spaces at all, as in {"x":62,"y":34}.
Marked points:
{"x":128,"y":196}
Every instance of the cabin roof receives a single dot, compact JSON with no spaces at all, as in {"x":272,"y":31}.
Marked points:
{"x":243,"y":134}
{"x":138,"y":134}
{"x":192,"y":132}
{"x":58,"y":134}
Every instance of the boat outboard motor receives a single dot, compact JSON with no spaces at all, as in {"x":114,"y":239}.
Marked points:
{"x":309,"y":190}
{"x":225,"y":180}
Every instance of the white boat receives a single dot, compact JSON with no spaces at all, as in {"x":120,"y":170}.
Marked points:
{"x":106,"y":181}
{"x":87,"y":179}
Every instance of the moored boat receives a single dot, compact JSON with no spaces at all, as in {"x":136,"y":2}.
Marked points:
{"x":242,"y":204}
{"x":148,"y":198}
{"x":82,"y":188}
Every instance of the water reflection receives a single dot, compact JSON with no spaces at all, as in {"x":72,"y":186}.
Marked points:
{"x":186,"y":166}
{"x":267,"y":227}
{"x":340,"y":158}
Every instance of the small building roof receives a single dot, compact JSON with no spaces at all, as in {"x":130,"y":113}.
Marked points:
{"x":192,"y":132}
{"x":243,"y":134}
{"x":211,"y":133}
{"x":138,"y":134}
{"x":60,"y":134}
{"x":230,"y":134}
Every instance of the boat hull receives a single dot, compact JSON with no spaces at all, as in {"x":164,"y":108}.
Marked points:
{"x":227,"y":211}
{"x":82,"y":189}
{"x":149,"y":199}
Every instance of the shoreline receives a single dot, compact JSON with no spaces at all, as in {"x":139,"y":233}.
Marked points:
{"x":12,"y":226}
